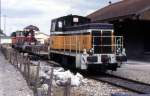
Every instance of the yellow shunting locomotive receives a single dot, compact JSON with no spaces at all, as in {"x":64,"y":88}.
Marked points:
{"x":75,"y":42}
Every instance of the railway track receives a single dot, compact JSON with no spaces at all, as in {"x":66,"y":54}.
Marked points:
{"x":131,"y":85}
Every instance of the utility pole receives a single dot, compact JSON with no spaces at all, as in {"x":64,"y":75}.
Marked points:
{"x":0,"y":20}
{"x":4,"y":24}
{"x":0,"y":14}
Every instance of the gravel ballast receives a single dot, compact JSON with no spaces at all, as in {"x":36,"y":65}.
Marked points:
{"x":135,"y":70}
{"x":96,"y":88}
{"x":87,"y":87}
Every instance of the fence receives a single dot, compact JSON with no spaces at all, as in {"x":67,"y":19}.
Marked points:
{"x":31,"y":71}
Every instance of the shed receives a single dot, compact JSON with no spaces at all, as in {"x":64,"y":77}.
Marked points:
{"x":41,"y":37}
{"x":131,"y":18}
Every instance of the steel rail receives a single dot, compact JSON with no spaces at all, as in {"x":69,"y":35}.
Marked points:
{"x":131,"y":85}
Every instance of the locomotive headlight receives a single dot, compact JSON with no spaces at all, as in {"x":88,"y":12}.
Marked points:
{"x":91,"y":51}
{"x":118,"y":50}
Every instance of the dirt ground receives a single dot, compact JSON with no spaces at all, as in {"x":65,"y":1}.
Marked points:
{"x":12,"y":82}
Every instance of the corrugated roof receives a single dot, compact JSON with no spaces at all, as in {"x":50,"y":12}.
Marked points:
{"x":122,"y":8}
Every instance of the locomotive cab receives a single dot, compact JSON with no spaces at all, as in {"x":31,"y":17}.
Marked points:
{"x":107,"y":49}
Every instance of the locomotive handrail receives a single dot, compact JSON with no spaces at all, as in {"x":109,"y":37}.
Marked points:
{"x":109,"y":36}
{"x":109,"y":45}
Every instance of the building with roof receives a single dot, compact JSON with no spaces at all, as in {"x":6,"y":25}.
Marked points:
{"x":131,"y":18}
{"x":5,"y":40}
{"x":41,"y":37}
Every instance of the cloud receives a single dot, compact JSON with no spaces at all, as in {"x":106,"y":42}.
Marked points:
{"x":24,"y":13}
{"x":21,"y":13}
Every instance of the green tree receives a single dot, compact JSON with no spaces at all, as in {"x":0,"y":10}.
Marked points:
{"x":13,"y":34}
{"x":2,"y":33}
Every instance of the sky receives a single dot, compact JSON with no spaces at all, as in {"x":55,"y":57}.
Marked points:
{"x":18,"y":14}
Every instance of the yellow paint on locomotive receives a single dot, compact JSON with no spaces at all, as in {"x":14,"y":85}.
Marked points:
{"x":71,"y":42}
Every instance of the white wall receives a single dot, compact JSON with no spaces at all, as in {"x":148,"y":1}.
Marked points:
{"x":5,"y":41}
{"x":41,"y":37}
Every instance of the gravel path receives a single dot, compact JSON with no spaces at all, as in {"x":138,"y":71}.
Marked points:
{"x":11,"y":81}
{"x":135,"y":70}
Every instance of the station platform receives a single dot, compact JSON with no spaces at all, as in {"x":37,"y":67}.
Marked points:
{"x":12,"y":82}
